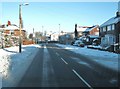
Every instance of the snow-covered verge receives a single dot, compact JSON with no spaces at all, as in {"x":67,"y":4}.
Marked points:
{"x":14,"y":64}
{"x":107,"y":59}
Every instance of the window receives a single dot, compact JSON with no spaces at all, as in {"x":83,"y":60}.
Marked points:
{"x":104,"y":29}
{"x":101,"y":29}
{"x":109,"y":28}
{"x":113,"y":27}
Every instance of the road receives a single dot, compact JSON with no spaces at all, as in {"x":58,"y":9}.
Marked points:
{"x":57,"y":67}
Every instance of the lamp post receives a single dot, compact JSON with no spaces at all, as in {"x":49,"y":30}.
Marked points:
{"x":59,"y":34}
{"x":59,"y":29}
{"x":20,"y":24}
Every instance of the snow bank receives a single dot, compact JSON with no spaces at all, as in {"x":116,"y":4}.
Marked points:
{"x":107,"y":59}
{"x":17,"y":63}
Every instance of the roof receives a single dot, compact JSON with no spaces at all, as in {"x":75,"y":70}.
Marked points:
{"x":81,"y":28}
{"x":91,"y":28}
{"x":112,"y":20}
{"x":11,"y":27}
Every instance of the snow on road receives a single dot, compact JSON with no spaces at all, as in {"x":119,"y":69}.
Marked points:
{"x":14,"y":64}
{"x":107,"y":59}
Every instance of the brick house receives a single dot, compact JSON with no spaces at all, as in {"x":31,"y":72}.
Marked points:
{"x":94,"y":30}
{"x":81,"y":29}
{"x":10,"y":34}
{"x":90,"y":34}
{"x":110,"y":31}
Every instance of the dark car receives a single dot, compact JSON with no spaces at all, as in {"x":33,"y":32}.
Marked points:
{"x":81,"y":44}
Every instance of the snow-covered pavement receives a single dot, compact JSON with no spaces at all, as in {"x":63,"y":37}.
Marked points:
{"x":14,"y":64}
{"x":107,"y":59}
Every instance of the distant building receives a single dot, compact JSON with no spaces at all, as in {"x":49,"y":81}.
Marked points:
{"x":67,"y":38}
{"x":54,"y":37}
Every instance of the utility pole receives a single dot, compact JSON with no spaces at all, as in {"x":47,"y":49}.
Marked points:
{"x":33,"y":35}
{"x":20,"y":25}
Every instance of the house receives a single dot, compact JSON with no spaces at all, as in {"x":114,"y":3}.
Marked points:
{"x":66,"y":38}
{"x":94,"y":30}
{"x":90,"y":34}
{"x":110,"y":31}
{"x":81,"y":29}
{"x":10,"y":35}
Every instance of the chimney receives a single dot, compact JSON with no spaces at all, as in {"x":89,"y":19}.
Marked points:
{"x":9,"y":23}
{"x":118,"y":14}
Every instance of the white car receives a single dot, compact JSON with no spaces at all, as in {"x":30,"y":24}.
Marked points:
{"x":79,"y":43}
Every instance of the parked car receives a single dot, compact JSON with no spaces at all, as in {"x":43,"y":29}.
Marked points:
{"x":79,"y":43}
{"x":96,"y":42}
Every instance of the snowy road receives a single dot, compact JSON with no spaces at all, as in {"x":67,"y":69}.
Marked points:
{"x":56,"y":67}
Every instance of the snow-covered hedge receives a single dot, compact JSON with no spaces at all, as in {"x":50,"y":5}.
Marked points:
{"x":17,"y":63}
{"x":5,"y":63}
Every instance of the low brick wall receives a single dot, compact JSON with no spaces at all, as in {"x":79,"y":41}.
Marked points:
{"x":27,"y":42}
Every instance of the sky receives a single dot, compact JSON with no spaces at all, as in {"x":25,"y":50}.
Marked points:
{"x":50,"y":14}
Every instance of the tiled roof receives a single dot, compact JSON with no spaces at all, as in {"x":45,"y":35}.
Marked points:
{"x":91,"y":28}
{"x":112,"y":20}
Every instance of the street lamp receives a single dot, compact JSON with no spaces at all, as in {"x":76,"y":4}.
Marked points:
{"x":59,"y":33}
{"x":59,"y":29}
{"x":20,"y":24}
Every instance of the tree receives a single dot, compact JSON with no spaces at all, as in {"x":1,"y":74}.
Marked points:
{"x":31,"y":36}
{"x":76,"y":33}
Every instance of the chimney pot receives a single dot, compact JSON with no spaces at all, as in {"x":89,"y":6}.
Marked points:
{"x":118,"y":14}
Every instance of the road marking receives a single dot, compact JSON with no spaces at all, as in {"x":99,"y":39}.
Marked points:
{"x":57,"y":54}
{"x":82,"y":79}
{"x":64,"y":61}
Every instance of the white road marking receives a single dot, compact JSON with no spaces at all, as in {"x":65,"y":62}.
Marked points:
{"x":82,"y":79}
{"x":64,"y":61}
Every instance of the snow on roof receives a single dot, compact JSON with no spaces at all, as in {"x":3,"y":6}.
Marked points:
{"x":1,"y":28}
{"x":113,"y":20}
{"x":91,"y":28}
{"x":11,"y":27}
{"x":81,"y":28}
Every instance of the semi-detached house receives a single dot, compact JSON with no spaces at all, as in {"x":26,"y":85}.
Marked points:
{"x":110,"y":31}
